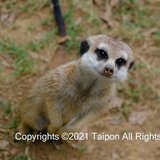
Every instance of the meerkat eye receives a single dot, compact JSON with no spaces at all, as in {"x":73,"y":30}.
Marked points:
{"x":101,"y":54}
{"x":120,"y":62}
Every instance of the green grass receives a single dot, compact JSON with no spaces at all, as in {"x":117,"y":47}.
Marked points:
{"x":31,"y":28}
{"x":29,"y":6}
{"x":134,"y":15}
{"x":19,"y":157}
{"x":73,"y":29}
{"x":7,"y":106}
{"x":139,"y":93}
{"x":37,"y":45}
{"x":13,"y":124}
{"x":125,"y":110}
{"x":47,"y":22}
{"x":22,"y":63}
{"x":32,"y":6}
{"x":1,"y":69}
{"x":156,"y":38}
{"x":8,"y":4}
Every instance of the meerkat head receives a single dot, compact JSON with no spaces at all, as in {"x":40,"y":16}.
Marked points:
{"x":107,"y":57}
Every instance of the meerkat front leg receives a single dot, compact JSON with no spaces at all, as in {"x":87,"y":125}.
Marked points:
{"x":83,"y":118}
{"x":54,"y":116}
{"x":79,"y":122}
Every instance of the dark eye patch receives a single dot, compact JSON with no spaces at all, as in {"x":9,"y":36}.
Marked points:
{"x":84,"y":47}
{"x":131,"y":65}
{"x":120,"y":62}
{"x":102,"y":54}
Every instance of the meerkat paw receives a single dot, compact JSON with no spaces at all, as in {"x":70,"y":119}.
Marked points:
{"x":52,"y":128}
{"x":66,"y":129}
{"x":81,"y":146}
{"x":57,"y":144}
{"x":67,"y":135}
{"x":117,"y":103}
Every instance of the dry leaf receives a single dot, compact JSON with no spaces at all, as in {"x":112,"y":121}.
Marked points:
{"x":7,"y":18}
{"x":62,"y":40}
{"x":138,"y":117}
{"x":116,"y":120}
{"x":3,"y":144}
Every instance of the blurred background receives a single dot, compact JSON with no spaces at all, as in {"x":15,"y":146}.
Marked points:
{"x":30,"y":45}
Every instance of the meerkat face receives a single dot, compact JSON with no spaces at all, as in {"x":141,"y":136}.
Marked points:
{"x":107,"y":57}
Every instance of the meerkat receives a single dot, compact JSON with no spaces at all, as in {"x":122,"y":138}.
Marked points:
{"x":76,"y":94}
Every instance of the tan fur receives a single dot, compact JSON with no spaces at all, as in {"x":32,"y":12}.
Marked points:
{"x":70,"y":96}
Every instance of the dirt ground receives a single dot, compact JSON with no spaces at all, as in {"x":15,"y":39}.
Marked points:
{"x":29,"y":47}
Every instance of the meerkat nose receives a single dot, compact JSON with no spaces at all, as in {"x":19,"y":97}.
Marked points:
{"x":108,"y":71}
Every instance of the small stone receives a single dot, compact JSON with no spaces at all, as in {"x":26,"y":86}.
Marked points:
{"x":116,"y":120}
{"x":3,"y":145}
{"x":139,"y":117}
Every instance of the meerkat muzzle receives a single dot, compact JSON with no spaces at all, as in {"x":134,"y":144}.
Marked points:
{"x":108,"y":71}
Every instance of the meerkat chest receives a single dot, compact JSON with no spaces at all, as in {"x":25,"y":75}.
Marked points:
{"x":70,"y":108}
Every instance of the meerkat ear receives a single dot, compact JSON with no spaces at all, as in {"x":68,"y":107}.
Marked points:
{"x":131,"y":65}
{"x":84,"y":47}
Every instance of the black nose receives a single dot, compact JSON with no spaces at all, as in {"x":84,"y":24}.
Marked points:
{"x":108,"y":71}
